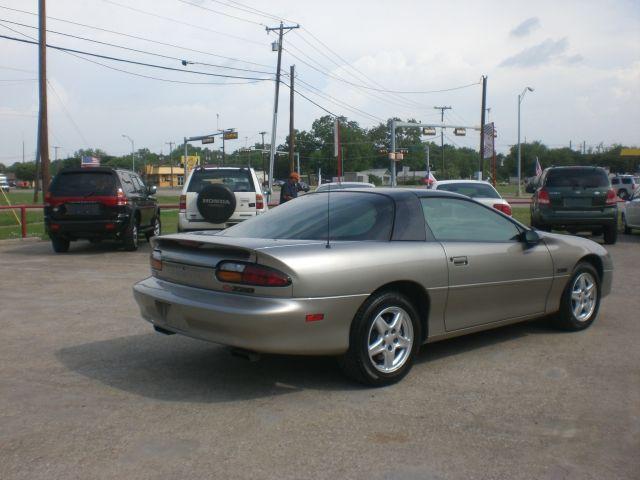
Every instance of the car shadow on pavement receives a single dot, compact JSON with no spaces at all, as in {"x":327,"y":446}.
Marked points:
{"x":77,"y":248}
{"x":175,"y":368}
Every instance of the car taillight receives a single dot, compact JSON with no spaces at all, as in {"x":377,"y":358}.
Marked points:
{"x":156,"y":260}
{"x":611,"y":197}
{"x":543,"y":197}
{"x":251,"y":274}
{"x":504,"y":208}
{"x":121,"y":198}
{"x":259,"y":202}
{"x":183,"y":203}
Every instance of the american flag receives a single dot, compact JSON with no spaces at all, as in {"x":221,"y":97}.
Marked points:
{"x":538,"y":168}
{"x":90,"y":162}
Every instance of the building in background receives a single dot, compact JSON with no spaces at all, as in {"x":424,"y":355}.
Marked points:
{"x":161,"y":176}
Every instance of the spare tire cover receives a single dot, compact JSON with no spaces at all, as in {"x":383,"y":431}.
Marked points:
{"x":216,"y":203}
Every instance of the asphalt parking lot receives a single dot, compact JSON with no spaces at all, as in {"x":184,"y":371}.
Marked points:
{"x":88,"y":390}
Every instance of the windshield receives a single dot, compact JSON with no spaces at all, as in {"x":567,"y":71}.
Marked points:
{"x":353,"y":216}
{"x":237,"y":180}
{"x":577,"y":178}
{"x":84,"y":184}
{"x":471,"y":190}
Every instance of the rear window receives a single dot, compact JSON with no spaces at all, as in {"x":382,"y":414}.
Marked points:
{"x":84,"y":184}
{"x":353,"y":216}
{"x":577,"y":178}
{"x":471,"y":190}
{"x":237,"y":180}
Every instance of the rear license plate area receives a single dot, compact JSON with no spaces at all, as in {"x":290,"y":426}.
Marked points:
{"x":577,"y":202}
{"x":83,"y":209}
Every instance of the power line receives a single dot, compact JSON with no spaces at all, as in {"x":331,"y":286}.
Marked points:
{"x":242,"y":6}
{"x":217,"y":12}
{"x":64,"y":108}
{"x":180,"y":22}
{"x":136,"y":37}
{"x":133,"y":62}
{"x":138,"y":50}
{"x":311,"y":101}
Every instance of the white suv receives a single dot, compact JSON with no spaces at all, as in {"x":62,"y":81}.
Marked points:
{"x":214,"y":198}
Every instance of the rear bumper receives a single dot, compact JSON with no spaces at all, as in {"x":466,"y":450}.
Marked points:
{"x":261,"y":324}
{"x":186,"y":225}
{"x":103,"y":228}
{"x":597,"y":218}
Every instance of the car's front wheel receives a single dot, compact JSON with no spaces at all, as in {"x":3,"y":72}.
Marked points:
{"x":610,"y":234}
{"x":384,"y":339}
{"x":580,"y":300}
{"x":130,"y":239}
{"x":156,"y":230}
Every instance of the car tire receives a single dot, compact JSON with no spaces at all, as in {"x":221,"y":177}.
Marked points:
{"x":156,"y":230}
{"x":130,"y":239}
{"x":60,"y":245}
{"x":610,"y":234}
{"x":627,"y":228}
{"x":580,"y":300}
{"x":622,"y":194}
{"x":384,"y":340}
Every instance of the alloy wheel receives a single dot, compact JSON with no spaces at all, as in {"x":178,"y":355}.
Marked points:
{"x":390,"y":339}
{"x":583,"y":296}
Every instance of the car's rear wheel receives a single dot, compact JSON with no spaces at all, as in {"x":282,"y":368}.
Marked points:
{"x":384,"y":339}
{"x":60,"y":245}
{"x":610,"y":234}
{"x":130,"y":240}
{"x":156,"y":230}
{"x":580,"y":300}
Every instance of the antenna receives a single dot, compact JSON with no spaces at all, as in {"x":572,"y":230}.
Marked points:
{"x":328,"y":245}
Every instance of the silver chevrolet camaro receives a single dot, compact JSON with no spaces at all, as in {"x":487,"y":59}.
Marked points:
{"x":370,"y":276}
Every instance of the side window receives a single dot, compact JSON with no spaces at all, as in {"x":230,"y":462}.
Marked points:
{"x":458,"y":220}
{"x":139,"y":184}
{"x":615,"y":181}
{"x":127,"y":184}
{"x":626,"y":181}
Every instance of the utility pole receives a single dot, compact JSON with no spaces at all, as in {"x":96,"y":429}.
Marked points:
{"x":482,"y":117}
{"x":292,"y":132}
{"x":22,"y":151}
{"x":264,"y":167}
{"x":43,"y":128}
{"x":274,"y":125}
{"x":171,"y":159}
{"x":442,"y":109}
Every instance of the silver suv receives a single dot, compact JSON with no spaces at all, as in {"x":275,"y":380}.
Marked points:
{"x":214,"y":198}
{"x":625,"y":185}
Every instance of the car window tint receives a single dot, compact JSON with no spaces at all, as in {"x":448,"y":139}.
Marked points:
{"x":454,"y":219}
{"x":83,"y":184}
{"x":137,"y":183}
{"x":127,"y":183}
{"x":615,"y":181}
{"x":626,"y":181}
{"x":353,"y":216}
{"x":577,"y":178}
{"x":471,"y":190}
{"x":237,"y":180}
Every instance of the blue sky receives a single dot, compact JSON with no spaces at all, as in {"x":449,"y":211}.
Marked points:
{"x":582,"y":58}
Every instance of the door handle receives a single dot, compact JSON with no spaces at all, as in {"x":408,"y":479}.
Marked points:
{"x":459,"y":261}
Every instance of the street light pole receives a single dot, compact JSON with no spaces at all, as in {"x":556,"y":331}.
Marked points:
{"x":520,"y":98}
{"x":133,"y":161}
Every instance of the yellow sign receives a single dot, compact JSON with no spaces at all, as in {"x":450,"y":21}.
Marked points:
{"x":230,"y":135}
{"x":630,"y":152}
{"x":190,"y":163}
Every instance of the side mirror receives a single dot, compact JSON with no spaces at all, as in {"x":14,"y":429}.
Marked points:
{"x":152,"y":190}
{"x":530,"y":188}
{"x":531,"y":238}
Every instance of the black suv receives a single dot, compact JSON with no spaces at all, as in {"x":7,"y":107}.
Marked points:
{"x":100,"y":203}
{"x":575,"y":199}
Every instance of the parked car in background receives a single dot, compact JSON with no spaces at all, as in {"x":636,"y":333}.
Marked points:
{"x":404,"y":268}
{"x":23,"y":184}
{"x":625,"y":185}
{"x":480,"y":191}
{"x":214,"y":198}
{"x":325,"y":187}
{"x":631,"y":214}
{"x":97,"y":204}
{"x":576,"y":199}
{"x":4,"y":184}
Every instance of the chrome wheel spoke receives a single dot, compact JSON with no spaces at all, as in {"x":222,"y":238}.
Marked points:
{"x":377,"y":348}
{"x":381,"y":325}
{"x":404,"y":342}
{"x":389,"y":357}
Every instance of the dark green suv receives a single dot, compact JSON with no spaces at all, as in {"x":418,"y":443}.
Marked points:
{"x":575,"y":199}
